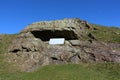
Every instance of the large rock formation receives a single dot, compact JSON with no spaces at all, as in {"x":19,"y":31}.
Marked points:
{"x":31,"y":48}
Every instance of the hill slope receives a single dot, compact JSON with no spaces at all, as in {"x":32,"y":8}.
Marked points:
{"x":89,"y":71}
{"x":83,"y":43}
{"x":107,"y":34}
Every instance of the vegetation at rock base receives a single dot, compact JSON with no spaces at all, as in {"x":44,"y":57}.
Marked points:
{"x":98,"y":71}
{"x":106,"y":71}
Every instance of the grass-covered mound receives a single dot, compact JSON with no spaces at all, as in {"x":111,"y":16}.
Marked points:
{"x":99,"y":71}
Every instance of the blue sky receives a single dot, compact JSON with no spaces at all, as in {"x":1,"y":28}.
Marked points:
{"x":15,"y":15}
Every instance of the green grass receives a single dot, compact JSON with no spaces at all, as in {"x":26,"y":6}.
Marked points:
{"x":5,"y":40}
{"x":106,"y":34}
{"x":106,"y":71}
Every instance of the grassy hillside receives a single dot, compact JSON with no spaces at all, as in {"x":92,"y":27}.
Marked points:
{"x":5,"y":40}
{"x":99,"y":71}
{"x":107,"y":71}
{"x":106,"y":34}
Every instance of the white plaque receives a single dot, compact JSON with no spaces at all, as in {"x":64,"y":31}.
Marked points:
{"x":57,"y":41}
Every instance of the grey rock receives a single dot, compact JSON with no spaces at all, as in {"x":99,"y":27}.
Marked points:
{"x":75,"y":42}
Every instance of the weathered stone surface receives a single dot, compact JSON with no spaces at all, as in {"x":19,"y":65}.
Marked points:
{"x":103,"y":52}
{"x":30,"y":49}
{"x":62,"y":54}
{"x":75,"y":42}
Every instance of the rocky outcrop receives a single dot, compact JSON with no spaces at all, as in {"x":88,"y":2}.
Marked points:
{"x":31,"y":48}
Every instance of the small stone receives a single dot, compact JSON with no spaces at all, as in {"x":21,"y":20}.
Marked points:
{"x":75,"y":42}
